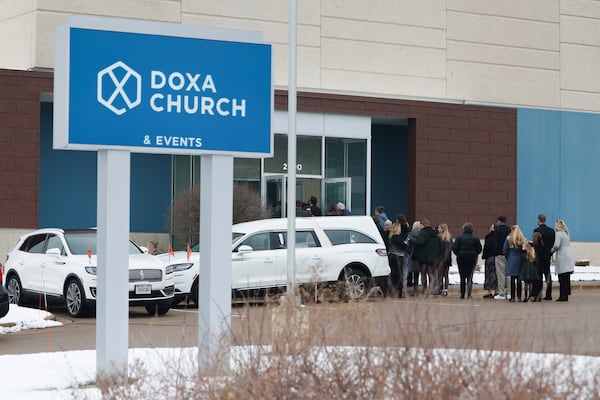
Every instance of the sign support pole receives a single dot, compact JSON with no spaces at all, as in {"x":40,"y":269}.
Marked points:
{"x":214,"y":283}
{"x":291,"y":192}
{"x":112,"y":303}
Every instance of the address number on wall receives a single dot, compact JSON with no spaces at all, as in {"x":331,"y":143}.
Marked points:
{"x":285,"y":167}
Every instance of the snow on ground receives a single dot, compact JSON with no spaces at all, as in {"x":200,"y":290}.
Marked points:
{"x":581,"y":274}
{"x":71,"y":375}
{"x":21,"y":318}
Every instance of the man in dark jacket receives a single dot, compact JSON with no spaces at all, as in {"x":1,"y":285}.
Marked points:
{"x":427,"y":250}
{"x":501,"y":231}
{"x":548,"y":237}
{"x":313,"y":207}
{"x":467,"y":248}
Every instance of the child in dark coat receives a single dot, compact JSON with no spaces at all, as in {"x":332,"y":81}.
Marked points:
{"x":529,"y":272}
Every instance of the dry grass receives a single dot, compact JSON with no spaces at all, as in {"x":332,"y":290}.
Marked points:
{"x":342,"y":351}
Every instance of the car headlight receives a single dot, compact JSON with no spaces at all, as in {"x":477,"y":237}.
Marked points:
{"x":90,"y":270}
{"x":178,"y":267}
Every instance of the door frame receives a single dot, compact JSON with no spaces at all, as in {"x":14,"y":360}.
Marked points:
{"x":282,"y":179}
{"x":347,"y":181}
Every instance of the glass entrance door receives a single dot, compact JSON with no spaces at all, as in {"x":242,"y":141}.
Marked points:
{"x":276,"y":186}
{"x":338,"y":190}
{"x":276,"y":192}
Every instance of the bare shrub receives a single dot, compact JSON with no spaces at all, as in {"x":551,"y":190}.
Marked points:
{"x":185,"y":216}
{"x":247,"y":206}
{"x":345,"y":351}
{"x":339,"y":356}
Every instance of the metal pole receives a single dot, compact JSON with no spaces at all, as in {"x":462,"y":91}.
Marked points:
{"x":214,"y":283}
{"x":291,"y":207}
{"x":112,"y":303}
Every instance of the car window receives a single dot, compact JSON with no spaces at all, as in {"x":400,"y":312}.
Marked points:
{"x":346,"y":236}
{"x":304,"y":239}
{"x":259,"y":241}
{"x":34,"y":244}
{"x":235,"y":236}
{"x":80,"y":242}
{"x":134,"y":248}
{"x":278,"y":240}
{"x":54,"y":242}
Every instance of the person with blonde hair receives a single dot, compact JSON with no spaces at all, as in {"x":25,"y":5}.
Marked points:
{"x":564,"y":265}
{"x":529,"y":272}
{"x":513,"y":249}
{"x":442,"y":264}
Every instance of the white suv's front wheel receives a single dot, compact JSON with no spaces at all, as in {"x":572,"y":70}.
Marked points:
{"x":159,"y":308}
{"x":13,"y":287}
{"x":75,"y":298}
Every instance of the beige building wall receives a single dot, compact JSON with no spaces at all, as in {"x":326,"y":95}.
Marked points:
{"x":535,"y":53}
{"x":504,"y":52}
{"x":580,"y":54}
{"x":16,"y":33}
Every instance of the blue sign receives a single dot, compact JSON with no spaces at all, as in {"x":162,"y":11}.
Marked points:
{"x":161,"y":92}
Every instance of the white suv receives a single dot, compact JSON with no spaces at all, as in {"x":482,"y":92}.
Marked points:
{"x":61,"y":264}
{"x":347,"y":250}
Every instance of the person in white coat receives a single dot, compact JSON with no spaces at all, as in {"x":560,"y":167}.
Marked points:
{"x":565,"y":264}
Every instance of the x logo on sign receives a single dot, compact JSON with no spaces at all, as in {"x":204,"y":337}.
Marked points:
{"x":119,"y":87}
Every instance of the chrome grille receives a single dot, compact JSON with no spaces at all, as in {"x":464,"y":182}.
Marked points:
{"x":148,"y":275}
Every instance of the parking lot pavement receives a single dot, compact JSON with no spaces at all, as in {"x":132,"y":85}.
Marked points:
{"x":434,"y":321}
{"x":446,"y":322}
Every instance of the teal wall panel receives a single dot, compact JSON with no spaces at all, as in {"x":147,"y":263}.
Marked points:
{"x":538,"y":153}
{"x":580,"y":175}
{"x":557,"y":169}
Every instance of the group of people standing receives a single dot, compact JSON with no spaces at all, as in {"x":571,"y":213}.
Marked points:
{"x":311,"y":208}
{"x":514,"y":267}
{"x":418,"y":253}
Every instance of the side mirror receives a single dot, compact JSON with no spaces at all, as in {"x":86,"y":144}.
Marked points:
{"x":245,"y":249}
{"x":144,"y":249}
{"x":53,"y":251}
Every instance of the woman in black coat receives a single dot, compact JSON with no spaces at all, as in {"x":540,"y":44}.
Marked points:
{"x":466,"y":248}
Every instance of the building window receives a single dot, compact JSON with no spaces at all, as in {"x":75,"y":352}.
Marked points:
{"x":346,"y":172}
{"x":308,"y":156}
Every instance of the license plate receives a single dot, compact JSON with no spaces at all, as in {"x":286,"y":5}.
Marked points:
{"x":143,"y":289}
